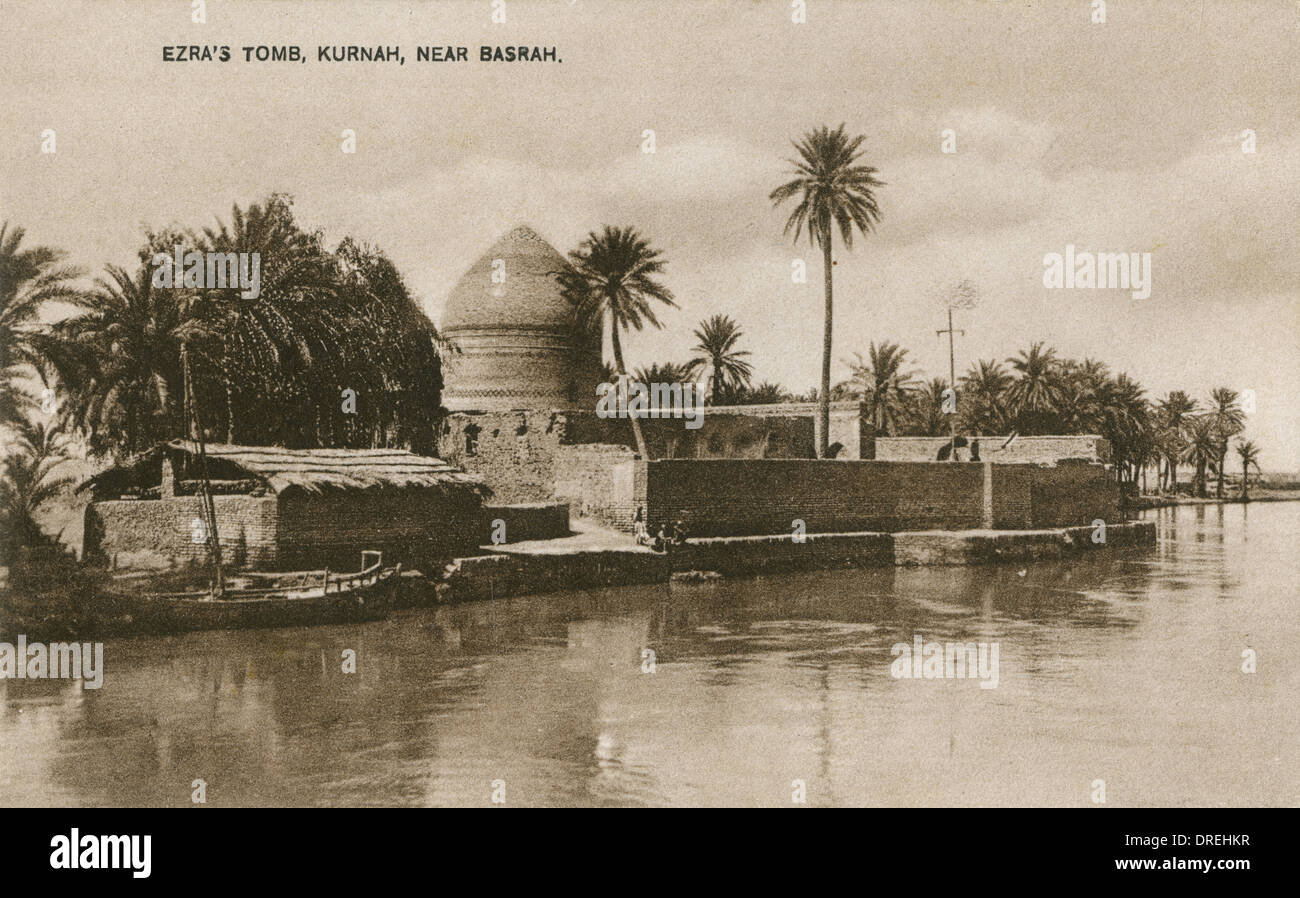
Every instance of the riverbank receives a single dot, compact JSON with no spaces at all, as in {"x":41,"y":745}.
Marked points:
{"x":524,"y":570}
{"x":68,"y":599}
{"x":1145,"y":503}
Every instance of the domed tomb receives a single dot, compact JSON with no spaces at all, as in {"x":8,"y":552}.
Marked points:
{"x":520,"y":343}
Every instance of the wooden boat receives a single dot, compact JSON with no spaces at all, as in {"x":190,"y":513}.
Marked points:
{"x":266,"y":599}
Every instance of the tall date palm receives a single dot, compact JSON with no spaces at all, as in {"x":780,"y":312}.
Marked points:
{"x":615,"y":275}
{"x":834,"y":190}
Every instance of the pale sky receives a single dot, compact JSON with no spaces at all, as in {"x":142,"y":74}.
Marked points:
{"x":1124,"y":136}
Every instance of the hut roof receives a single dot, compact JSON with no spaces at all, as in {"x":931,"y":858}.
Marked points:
{"x":312,"y":470}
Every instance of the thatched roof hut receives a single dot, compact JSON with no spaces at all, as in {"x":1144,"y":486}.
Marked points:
{"x":263,"y":469}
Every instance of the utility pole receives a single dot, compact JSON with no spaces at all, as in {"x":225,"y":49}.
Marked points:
{"x":952,"y":385}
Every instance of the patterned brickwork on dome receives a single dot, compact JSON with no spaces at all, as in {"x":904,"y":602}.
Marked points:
{"x":517,"y":340}
{"x":530,"y":295}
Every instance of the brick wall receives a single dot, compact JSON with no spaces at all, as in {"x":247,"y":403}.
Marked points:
{"x":1073,"y":494}
{"x":849,"y":425}
{"x":532,"y":520}
{"x":1023,"y":450}
{"x":517,"y":452}
{"x":750,"y":555}
{"x":304,"y":530}
{"x":414,"y":526}
{"x":737,"y":497}
{"x":159,"y":533}
{"x":1029,"y":497}
{"x":724,"y":433}
{"x":514,"y":452}
{"x":496,"y":576}
{"x":602,"y":482}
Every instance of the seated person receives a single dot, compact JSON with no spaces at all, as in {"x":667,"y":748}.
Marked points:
{"x":661,"y":541}
{"x":678,"y":534}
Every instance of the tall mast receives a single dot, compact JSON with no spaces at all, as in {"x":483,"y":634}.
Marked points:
{"x":194,"y":424}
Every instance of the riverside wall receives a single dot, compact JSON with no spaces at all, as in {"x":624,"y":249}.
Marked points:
{"x":504,"y":573}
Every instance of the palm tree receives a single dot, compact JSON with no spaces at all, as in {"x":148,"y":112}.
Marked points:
{"x":766,"y":393}
{"x":1124,"y":421}
{"x":717,"y":337}
{"x":1174,"y":411}
{"x":615,"y":275}
{"x":925,"y":412}
{"x":1249,"y":454}
{"x":269,"y":341}
{"x":660,"y":373}
{"x":1228,"y":422}
{"x":30,"y":480}
{"x":833,"y":190}
{"x":984,"y":398}
{"x":1202,"y":450}
{"x":119,"y":360}
{"x":882,"y":383}
{"x":1035,"y":393}
{"x":29,"y":278}
{"x":1081,"y":387}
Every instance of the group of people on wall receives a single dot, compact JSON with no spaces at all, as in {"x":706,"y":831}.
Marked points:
{"x":666,"y":537}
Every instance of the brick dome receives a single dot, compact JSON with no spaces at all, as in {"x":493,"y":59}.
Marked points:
{"x":519,"y":343}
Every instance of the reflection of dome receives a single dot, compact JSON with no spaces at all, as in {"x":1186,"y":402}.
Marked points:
{"x":519,"y":347}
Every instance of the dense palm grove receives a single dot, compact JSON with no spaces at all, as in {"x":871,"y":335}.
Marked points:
{"x":333,"y":351}
{"x":1034,"y":392}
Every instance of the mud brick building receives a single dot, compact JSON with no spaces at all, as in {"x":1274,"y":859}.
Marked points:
{"x":522,"y":392}
{"x":282,"y":508}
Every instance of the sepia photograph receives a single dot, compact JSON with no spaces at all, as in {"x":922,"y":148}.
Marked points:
{"x":626,"y":404}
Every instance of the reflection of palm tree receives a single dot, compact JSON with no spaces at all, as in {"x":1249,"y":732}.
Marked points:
{"x":832,"y":190}
{"x":29,"y":278}
{"x":717,"y":337}
{"x":615,"y":274}
{"x":882,"y":383}
{"x":1248,"y":452}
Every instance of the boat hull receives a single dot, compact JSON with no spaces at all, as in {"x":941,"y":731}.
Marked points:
{"x":170,"y":613}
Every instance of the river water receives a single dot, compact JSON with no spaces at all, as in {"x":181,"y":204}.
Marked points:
{"x":1124,"y":667}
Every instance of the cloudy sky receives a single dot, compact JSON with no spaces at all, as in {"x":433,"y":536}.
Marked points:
{"x":1122,"y":136}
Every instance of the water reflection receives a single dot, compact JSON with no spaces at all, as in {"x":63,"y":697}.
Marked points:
{"x":1123,"y":665}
